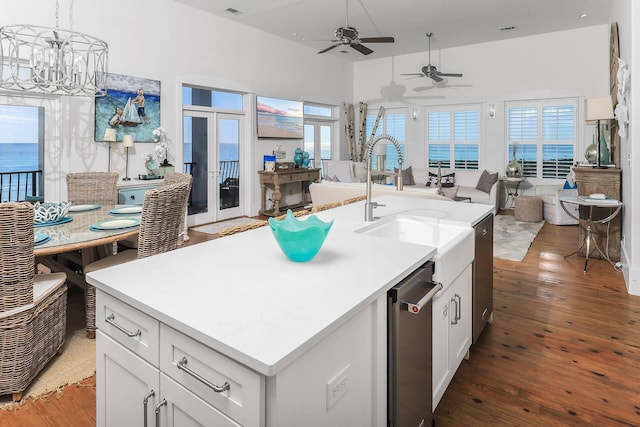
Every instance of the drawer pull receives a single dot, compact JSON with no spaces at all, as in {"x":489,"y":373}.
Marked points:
{"x":111,"y":320}
{"x":144,"y":402}
{"x":182,"y":364}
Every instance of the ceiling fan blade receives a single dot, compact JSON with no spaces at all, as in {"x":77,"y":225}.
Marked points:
{"x":361,"y":48}
{"x":435,"y":78}
{"x":416,"y":74}
{"x":449,"y":74}
{"x":422,"y":88}
{"x":330,"y":47}
{"x":378,"y":40}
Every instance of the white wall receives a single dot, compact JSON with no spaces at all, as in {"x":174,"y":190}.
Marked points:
{"x":568,"y":63}
{"x":171,"y":42}
{"x":627,"y":14}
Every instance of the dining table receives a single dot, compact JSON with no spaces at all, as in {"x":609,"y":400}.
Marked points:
{"x":82,"y":236}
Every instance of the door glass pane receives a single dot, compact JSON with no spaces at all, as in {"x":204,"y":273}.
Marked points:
{"x":310,"y":142}
{"x":325,"y":142}
{"x":229,"y":158}
{"x":195,"y":161}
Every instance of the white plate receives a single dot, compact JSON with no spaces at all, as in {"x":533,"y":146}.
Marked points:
{"x":127,"y":210}
{"x":115,"y":224}
{"x":82,"y":208}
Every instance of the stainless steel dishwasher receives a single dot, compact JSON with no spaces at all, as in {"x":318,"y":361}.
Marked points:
{"x":409,"y":317}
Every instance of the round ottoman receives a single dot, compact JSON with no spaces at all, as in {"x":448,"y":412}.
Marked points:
{"x":529,"y":208}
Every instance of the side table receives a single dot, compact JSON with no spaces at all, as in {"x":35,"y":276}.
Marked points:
{"x":588,"y":238}
{"x":511,"y":185}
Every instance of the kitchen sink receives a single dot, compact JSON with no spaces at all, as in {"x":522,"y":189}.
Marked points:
{"x":454,"y":244}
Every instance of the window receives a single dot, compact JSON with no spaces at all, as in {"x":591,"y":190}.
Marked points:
{"x":453,"y":136}
{"x":542,"y":136}
{"x":211,"y":98}
{"x":319,"y":122}
{"x":21,"y":152}
{"x":394,"y":124}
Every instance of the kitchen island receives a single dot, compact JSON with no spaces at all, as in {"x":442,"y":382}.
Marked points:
{"x":283,"y":342}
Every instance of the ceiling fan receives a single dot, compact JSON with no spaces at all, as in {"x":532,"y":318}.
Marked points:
{"x":431,"y":70}
{"x":348,"y":36}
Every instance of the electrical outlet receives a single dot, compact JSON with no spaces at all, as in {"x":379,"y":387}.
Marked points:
{"x":337,"y":386}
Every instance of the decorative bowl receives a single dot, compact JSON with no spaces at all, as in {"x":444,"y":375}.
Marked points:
{"x":49,"y":211}
{"x":300,"y":240}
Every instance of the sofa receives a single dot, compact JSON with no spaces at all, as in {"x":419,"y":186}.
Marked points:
{"x":345,"y":179}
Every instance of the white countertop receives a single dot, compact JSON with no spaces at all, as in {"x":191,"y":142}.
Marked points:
{"x":242,"y":297}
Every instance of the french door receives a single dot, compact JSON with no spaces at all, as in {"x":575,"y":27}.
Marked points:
{"x":212,"y":155}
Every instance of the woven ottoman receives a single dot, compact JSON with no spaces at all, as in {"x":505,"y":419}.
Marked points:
{"x":529,"y":208}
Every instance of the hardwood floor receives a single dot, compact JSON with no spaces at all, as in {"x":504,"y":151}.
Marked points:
{"x":563,"y":349}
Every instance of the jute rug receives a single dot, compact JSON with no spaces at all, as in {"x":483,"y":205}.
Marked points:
{"x":512,"y":238}
{"x":217,"y":226}
{"x":76,"y":363}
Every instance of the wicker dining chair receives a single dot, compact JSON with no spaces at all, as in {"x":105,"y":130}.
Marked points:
{"x":174,"y":178}
{"x":92,"y":187}
{"x":33,"y":307}
{"x":160,"y":221}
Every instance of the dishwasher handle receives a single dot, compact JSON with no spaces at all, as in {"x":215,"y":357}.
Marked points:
{"x":415,"y":307}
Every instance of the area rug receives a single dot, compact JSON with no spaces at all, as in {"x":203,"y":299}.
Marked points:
{"x":217,"y":226}
{"x":512,"y":238}
{"x":76,"y":363}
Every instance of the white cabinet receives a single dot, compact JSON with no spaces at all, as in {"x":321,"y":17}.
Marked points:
{"x":149,"y":374}
{"x":451,"y":332}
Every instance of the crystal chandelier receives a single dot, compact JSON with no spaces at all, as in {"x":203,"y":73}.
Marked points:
{"x":52,"y":60}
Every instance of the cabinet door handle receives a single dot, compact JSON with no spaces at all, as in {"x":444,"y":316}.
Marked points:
{"x":162,"y":403}
{"x":458,"y":306}
{"x":182,"y":364}
{"x":454,"y":321}
{"x":144,"y":402}
{"x":111,"y":320}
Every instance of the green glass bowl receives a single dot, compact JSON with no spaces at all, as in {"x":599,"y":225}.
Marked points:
{"x":300,"y":240}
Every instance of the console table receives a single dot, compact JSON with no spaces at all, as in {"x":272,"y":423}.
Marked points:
{"x":278,"y":178}
{"x":606,"y":181}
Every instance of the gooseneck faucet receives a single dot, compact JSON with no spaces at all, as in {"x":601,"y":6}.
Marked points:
{"x":369,"y":206}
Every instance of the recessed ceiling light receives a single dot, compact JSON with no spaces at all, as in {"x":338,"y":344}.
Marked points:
{"x":584,"y":15}
{"x":232,"y":10}
{"x":508,"y":28}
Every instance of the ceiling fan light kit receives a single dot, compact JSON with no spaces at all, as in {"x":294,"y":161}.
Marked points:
{"x":432,"y":71}
{"x":348,"y":36}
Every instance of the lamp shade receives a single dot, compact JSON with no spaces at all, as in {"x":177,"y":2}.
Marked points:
{"x":380,"y":149}
{"x":600,"y":108}
{"x":109,"y":135}
{"x":127,"y":141}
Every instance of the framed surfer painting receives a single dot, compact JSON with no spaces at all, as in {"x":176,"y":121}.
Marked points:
{"x":131,"y":106}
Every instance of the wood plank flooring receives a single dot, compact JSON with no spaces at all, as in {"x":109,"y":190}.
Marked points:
{"x":563,"y":350}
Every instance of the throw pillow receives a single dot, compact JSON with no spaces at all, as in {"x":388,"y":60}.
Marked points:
{"x":407,"y":176}
{"x":448,"y":180}
{"x":450,"y":192}
{"x":486,"y":181}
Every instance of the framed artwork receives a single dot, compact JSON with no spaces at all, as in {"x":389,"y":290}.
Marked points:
{"x":279,"y":118}
{"x":131,"y":106}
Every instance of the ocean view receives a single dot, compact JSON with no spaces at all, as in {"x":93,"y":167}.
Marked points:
{"x":17,"y":157}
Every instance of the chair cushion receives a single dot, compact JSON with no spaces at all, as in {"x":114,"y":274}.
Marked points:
{"x":110,"y":261}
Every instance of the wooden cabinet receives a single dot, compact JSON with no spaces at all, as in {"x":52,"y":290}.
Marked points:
{"x":132,"y":193}
{"x":277,"y":180}
{"x":605,"y":181}
{"x":149,"y":374}
{"x":451,"y":332}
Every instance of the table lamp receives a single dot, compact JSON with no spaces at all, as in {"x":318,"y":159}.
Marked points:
{"x":109,"y":137}
{"x":127,"y":142}
{"x":596,"y":109}
{"x":380,"y":151}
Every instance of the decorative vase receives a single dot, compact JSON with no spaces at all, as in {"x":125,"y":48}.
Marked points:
{"x":513,"y":170}
{"x":305,"y":160}
{"x":298,"y":157}
{"x":605,"y":154}
{"x":591,"y":152}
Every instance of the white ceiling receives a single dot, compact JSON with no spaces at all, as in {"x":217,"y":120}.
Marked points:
{"x":452,"y":22}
